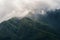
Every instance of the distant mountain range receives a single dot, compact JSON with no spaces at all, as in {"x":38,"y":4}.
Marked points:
{"x":45,"y":28}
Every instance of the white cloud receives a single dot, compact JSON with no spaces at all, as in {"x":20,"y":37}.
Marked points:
{"x":20,"y":8}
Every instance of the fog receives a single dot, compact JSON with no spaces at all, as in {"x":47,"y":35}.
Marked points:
{"x":21,"y":8}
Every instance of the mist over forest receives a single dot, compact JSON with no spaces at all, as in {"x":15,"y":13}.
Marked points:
{"x":29,"y":20}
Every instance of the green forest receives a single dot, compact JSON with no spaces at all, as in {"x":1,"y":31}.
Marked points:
{"x":48,"y":28}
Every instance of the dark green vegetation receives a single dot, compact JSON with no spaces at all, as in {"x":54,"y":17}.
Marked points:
{"x":29,"y":29}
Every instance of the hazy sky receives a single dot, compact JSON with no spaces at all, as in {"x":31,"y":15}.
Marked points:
{"x":20,"y":8}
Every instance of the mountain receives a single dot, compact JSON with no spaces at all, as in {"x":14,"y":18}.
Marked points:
{"x":53,"y":19}
{"x":30,"y":29}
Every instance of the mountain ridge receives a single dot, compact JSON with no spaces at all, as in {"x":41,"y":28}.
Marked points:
{"x":30,"y":29}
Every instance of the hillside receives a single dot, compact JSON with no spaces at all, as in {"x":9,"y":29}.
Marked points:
{"x":47,"y":28}
{"x":25,"y":29}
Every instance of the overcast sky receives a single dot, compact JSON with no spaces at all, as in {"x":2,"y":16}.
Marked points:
{"x":20,"y":8}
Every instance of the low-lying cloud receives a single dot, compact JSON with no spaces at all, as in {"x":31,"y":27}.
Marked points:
{"x":21,"y":8}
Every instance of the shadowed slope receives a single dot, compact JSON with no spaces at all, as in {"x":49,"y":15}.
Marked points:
{"x":25,"y":29}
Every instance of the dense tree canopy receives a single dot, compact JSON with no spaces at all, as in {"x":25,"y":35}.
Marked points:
{"x":30,"y":29}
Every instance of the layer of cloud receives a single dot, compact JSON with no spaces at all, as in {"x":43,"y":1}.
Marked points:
{"x":20,"y":8}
